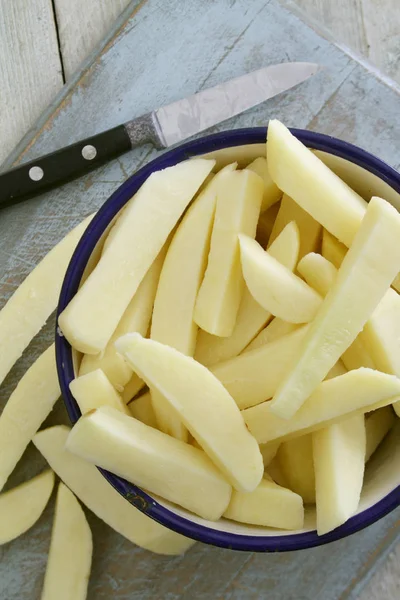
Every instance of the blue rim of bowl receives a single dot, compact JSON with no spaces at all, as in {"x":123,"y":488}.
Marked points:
{"x":133,"y":494}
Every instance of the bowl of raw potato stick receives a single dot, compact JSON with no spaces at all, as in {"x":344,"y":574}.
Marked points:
{"x":228,"y":350}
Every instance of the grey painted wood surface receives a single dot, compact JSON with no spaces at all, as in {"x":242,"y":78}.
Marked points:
{"x":344,"y":100}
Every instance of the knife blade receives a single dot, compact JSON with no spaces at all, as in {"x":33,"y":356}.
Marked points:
{"x":163,"y":127}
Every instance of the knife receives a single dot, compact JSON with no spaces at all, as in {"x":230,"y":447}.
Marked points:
{"x":164,"y":127}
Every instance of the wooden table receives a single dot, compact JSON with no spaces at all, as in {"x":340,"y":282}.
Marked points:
{"x":44,"y":42}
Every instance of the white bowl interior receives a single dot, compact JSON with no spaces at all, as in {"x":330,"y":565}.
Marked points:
{"x":382,"y":471}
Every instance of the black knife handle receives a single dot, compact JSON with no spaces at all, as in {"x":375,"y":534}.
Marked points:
{"x":61,"y":166}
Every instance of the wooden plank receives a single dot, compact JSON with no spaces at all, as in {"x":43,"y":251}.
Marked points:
{"x":29,"y":55}
{"x":116,"y":88}
{"x":81,"y":26}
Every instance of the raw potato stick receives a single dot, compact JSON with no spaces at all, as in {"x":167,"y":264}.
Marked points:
{"x":254,"y":376}
{"x":251,"y":317}
{"x":238,"y":208}
{"x":22,"y":506}
{"x":172,"y":321}
{"x":70,"y":555}
{"x":360,"y":391}
{"x":295,"y":458}
{"x":268,"y":505}
{"x":332,"y":249}
{"x":28,"y":309}
{"x":203,"y":404}
{"x":273,"y":331}
{"x":339,"y":459}
{"x":147,"y":221}
{"x":377,"y":425}
{"x":135,"y":318}
{"x":305,"y":178}
{"x":142,"y":410}
{"x":89,"y":485}
{"x":26,"y":409}
{"x":151,"y":459}
{"x":275,"y":287}
{"x":365,"y":275}
{"x":94,"y":390}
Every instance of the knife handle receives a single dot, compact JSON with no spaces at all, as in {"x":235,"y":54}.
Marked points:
{"x":52,"y":170}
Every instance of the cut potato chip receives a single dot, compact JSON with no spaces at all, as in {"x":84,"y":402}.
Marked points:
{"x":28,"y":309}
{"x":181,"y":276}
{"x":319,"y":273}
{"x":22,"y":506}
{"x":151,"y":459}
{"x":89,"y":485}
{"x":339,"y":459}
{"x":310,"y":230}
{"x":268,"y":452}
{"x":272,"y":193}
{"x":296,"y":461}
{"x":364,"y":277}
{"x":94,"y":390}
{"x":377,"y":425}
{"x":135,"y":318}
{"x":251,"y":316}
{"x":89,"y":324}
{"x":238,"y":207}
{"x":142,"y":410}
{"x":332,"y":249}
{"x":203,"y":404}
{"x":133,"y":387}
{"x":269,"y":505}
{"x":70,"y":555}
{"x":333,"y":400}
{"x":304,"y":177}
{"x":26,"y":409}
{"x":274,"y":286}
{"x":254,"y":376}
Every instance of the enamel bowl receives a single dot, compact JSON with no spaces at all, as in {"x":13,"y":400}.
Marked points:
{"x":368,"y":176}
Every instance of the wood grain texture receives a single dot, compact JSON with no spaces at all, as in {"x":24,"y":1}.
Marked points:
{"x":369,"y":27}
{"x":217,"y":40}
{"x":81,"y":26}
{"x":28,"y":55}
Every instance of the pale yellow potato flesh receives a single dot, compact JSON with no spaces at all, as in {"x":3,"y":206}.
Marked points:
{"x":299,"y":173}
{"x":365,"y":275}
{"x":135,"y":318}
{"x":273,"y":331}
{"x":332,"y":249}
{"x":151,"y":459}
{"x":254,"y":376}
{"x":142,"y":410}
{"x":268,"y":452}
{"x":320,"y":274}
{"x":239,"y":197}
{"x":94,"y":390}
{"x":22,"y":506}
{"x":333,"y":400}
{"x":147,"y":221}
{"x":339,"y":459}
{"x":251,"y":317}
{"x":266,"y":223}
{"x":377,"y":425}
{"x":204,"y":405}
{"x":183,"y":271}
{"x":133,"y":387}
{"x":296,"y":461}
{"x":92,"y":489}
{"x":70,"y":555}
{"x":275,"y":287}
{"x":272,"y":193}
{"x":269,"y":505}
{"x":26,"y":409}
{"x":309,"y":228}
{"x":28,"y":309}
